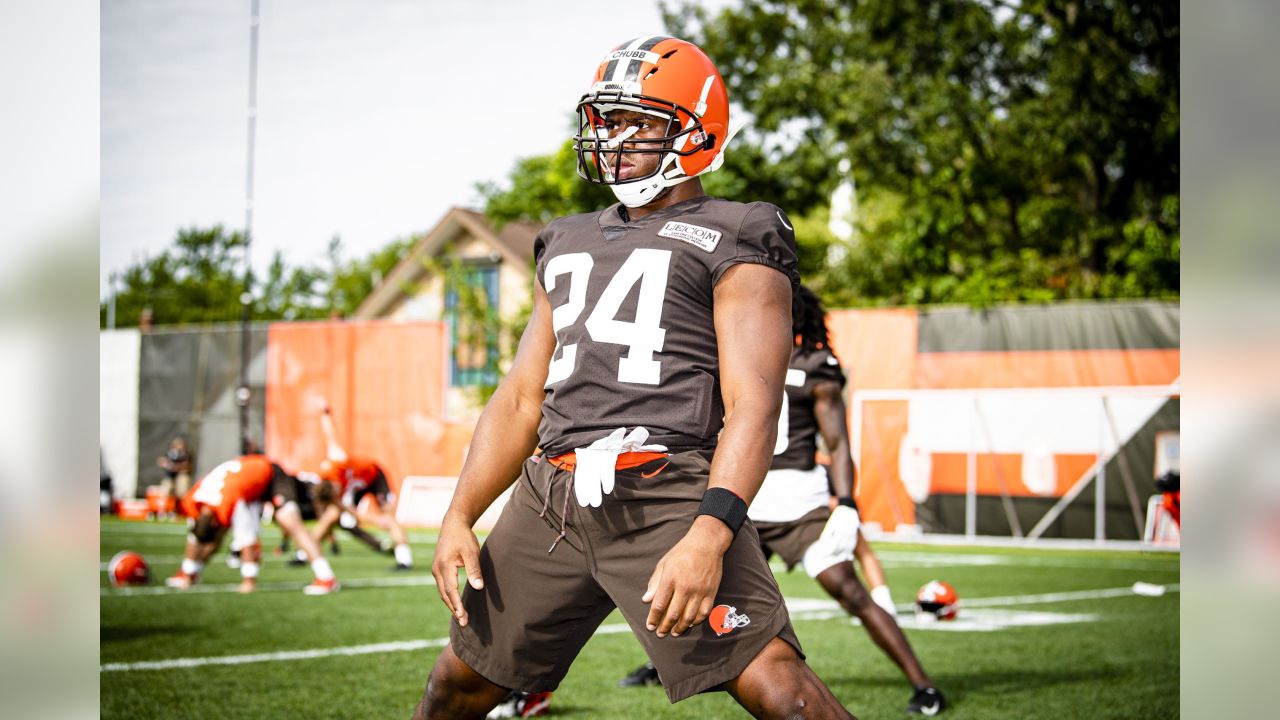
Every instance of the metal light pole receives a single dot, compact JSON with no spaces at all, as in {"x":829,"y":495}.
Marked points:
{"x":111,"y":300}
{"x":243,"y":393}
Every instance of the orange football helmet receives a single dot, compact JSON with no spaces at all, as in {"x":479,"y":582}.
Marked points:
{"x":937,"y":600}
{"x":671,"y":79}
{"x":128,"y":568}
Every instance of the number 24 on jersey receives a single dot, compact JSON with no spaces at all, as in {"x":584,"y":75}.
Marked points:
{"x":642,"y":336}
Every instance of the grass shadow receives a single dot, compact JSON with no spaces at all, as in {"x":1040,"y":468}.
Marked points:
{"x":994,"y":683}
{"x":110,"y":633}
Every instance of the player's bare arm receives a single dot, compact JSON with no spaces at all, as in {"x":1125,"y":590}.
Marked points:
{"x":505,"y":436}
{"x":753,"y":327}
{"x":829,"y":411}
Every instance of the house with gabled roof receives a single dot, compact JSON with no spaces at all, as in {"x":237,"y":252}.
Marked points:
{"x":497,"y":260}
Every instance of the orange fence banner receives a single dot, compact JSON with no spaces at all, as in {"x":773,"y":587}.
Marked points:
{"x":384,"y":383}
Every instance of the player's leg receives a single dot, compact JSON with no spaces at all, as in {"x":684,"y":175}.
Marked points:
{"x":779,"y":684}
{"x":246,"y":526}
{"x":841,"y":582}
{"x":328,"y":515}
{"x":874,"y":574}
{"x":351,"y":520}
{"x":250,"y":564}
{"x":404,"y":556}
{"x":365,"y":537}
{"x":831,"y":564}
{"x":383,"y":517}
{"x":539,"y":606}
{"x":203,"y":540}
{"x":454,"y":690}
{"x":189,"y":573}
{"x":289,"y":518}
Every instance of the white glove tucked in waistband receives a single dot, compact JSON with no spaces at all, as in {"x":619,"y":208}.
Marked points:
{"x":593,"y":472}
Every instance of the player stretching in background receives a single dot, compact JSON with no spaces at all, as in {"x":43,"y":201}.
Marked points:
{"x":231,"y":497}
{"x":357,"y":480}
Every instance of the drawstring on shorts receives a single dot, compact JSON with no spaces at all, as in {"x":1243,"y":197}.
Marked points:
{"x":567,"y":462}
{"x":564,"y":511}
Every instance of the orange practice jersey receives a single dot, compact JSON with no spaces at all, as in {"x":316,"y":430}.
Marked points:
{"x":246,"y":478}
{"x":352,"y":469}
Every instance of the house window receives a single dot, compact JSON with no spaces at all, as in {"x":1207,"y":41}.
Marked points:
{"x":473,"y":326}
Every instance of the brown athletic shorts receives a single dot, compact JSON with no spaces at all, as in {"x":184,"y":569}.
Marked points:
{"x":790,"y":540}
{"x":539,"y":608}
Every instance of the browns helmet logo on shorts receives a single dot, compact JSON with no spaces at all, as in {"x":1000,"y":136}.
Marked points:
{"x":725,"y":618}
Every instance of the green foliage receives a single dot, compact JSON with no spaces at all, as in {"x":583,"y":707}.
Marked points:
{"x":542,"y":188}
{"x":200,"y":279}
{"x":352,"y":281}
{"x":1004,"y":151}
{"x":480,"y":332}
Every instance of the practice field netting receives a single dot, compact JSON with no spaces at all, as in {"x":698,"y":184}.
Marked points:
{"x":1041,"y":633}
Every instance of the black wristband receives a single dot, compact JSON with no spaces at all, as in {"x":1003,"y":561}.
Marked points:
{"x":725,"y":506}
{"x":847,"y":502}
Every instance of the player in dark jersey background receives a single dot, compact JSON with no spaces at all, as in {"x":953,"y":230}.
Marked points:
{"x":650,"y":375}
{"x":807,"y":515}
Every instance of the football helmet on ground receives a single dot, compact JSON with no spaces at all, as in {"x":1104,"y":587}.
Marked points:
{"x":128,"y":568}
{"x":937,"y":600}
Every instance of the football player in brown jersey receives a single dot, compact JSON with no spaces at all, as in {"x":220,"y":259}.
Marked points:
{"x":808,"y":516}
{"x":649,"y":378}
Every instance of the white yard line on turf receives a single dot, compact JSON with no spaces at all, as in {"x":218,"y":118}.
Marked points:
{"x":277,"y":656}
{"x":610,"y":629}
{"x":401,"y":581}
{"x":358,"y":558}
{"x":1056,"y":597}
{"x":401,"y":646}
{"x":896,"y":558}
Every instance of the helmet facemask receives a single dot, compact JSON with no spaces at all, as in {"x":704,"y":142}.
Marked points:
{"x":600,"y":156}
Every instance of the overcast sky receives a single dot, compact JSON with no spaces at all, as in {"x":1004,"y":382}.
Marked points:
{"x":373,"y":117}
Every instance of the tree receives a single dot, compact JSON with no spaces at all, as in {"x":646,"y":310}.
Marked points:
{"x":351,"y":282}
{"x":200,"y":279}
{"x":541,"y":188}
{"x":1003,"y":150}
{"x":195,"y":281}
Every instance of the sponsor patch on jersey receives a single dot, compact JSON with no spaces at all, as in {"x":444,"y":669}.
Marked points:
{"x":705,"y":238}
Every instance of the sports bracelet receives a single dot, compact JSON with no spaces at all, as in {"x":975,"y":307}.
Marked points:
{"x":847,"y":502}
{"x":725,"y":506}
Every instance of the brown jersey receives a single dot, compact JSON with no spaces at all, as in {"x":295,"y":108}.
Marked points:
{"x":798,"y":424}
{"x":632,"y":312}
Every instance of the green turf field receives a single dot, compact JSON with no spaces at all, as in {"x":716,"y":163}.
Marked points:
{"x":1042,"y":634}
